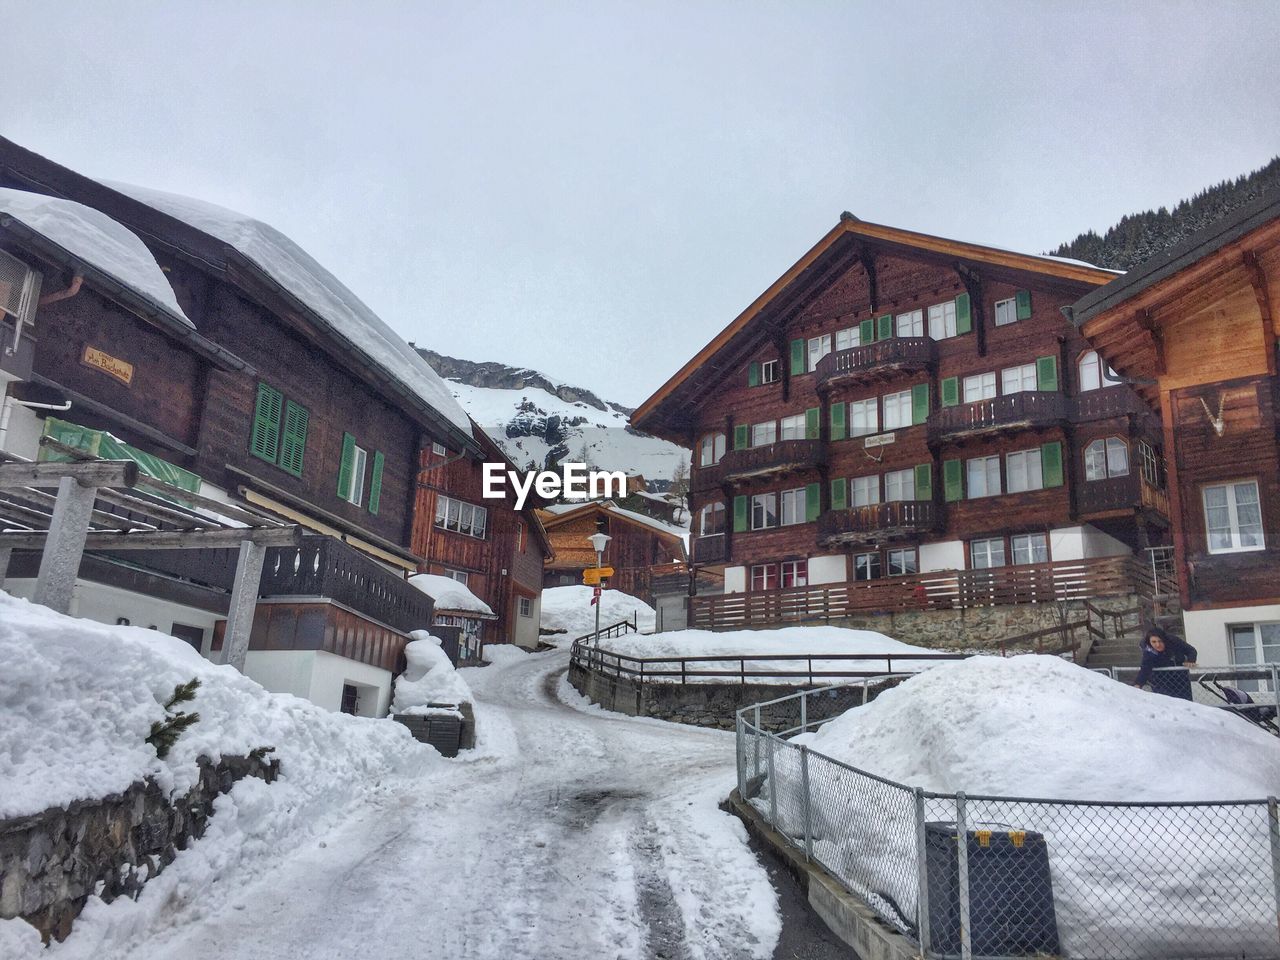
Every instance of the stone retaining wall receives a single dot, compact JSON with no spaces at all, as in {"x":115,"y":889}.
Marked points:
{"x":51,"y":862}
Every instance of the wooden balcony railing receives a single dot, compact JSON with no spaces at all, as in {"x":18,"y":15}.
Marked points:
{"x":773,"y":458}
{"x":1016,"y":410}
{"x":709,"y":549}
{"x":880,"y":521}
{"x":1119,"y":493}
{"x":1106,"y":403}
{"x":876,"y":361}
{"x":944,"y":590}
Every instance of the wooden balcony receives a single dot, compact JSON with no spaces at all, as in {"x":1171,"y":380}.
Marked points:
{"x":1096,"y":497}
{"x":1106,"y":403}
{"x":876,"y":361}
{"x":709,"y":549}
{"x":878,"y":522}
{"x":752,"y":463}
{"x":1016,"y":411}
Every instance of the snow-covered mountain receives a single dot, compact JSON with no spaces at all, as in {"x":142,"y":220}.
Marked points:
{"x":539,"y":421}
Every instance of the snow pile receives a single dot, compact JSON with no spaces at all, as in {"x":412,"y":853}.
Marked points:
{"x":93,"y":237}
{"x":570,"y":609}
{"x":297,"y":272}
{"x":449,"y":594}
{"x":429,"y":678}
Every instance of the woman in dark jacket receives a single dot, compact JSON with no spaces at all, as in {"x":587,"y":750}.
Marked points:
{"x":1162,"y":649}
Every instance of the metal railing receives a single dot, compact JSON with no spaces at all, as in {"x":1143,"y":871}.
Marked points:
{"x":618,"y":629}
{"x":996,"y":877}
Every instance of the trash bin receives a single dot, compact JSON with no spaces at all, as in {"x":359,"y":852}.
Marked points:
{"x":1010,"y":892}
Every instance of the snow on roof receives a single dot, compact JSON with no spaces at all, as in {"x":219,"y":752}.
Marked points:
{"x":1082,"y":263}
{"x":658,"y":525}
{"x":302,"y":276}
{"x":93,"y":237}
{"x":449,"y":594}
{"x":660,"y":497}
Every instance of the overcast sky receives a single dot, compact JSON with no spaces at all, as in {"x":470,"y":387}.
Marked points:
{"x":596,"y":189}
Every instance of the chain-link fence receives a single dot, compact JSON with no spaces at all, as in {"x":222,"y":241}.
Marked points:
{"x":1031,"y":877}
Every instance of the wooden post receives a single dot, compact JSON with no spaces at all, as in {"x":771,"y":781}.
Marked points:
{"x":244,"y":600}
{"x":5,"y":553}
{"x":64,"y":547}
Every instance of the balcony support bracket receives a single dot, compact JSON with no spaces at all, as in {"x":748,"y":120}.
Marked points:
{"x":972,"y":281}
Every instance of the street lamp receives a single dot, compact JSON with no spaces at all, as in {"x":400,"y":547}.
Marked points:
{"x":598,"y":542}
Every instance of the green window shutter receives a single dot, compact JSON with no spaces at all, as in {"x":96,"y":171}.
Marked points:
{"x":739,"y":514}
{"x":1046,"y":373}
{"x":964,"y":314}
{"x":812,"y":423}
{"x":375,"y":484}
{"x":741,"y":436}
{"x":812,"y":502}
{"x":753,"y":374}
{"x":924,"y":481}
{"x":265,"y":442}
{"x":951,"y":392}
{"x":920,"y":403}
{"x":952,"y":480}
{"x":867,"y":332}
{"x":294,"y":443}
{"x":838,"y":489}
{"x":797,"y":356}
{"x":837,"y":421}
{"x":884,"y":327}
{"x":344,"y":469}
{"x":1051,"y":463}
{"x":1023,"y":300}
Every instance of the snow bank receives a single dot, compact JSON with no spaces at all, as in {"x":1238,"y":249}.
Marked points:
{"x":569,"y":609}
{"x":449,"y":594}
{"x":95,"y":238}
{"x":429,"y":677}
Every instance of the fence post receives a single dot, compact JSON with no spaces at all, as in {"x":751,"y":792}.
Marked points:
{"x":739,"y":740}
{"x":756,"y":739}
{"x":1273,"y":817}
{"x":962,"y":851}
{"x":922,"y":876}
{"x":808,"y":805}
{"x":773,"y":787}
{"x":1275,"y":686}
{"x":804,"y":712}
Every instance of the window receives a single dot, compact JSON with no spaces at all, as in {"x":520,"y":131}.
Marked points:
{"x":984,"y":477}
{"x":351,"y":471}
{"x":897,"y":410}
{"x":764,"y":511}
{"x":712,"y":519}
{"x":795,"y":573}
{"x":279,"y":430}
{"x":793,"y":427}
{"x":903,"y":562}
{"x":764,"y":576}
{"x":763,"y":434}
{"x":354,"y":489}
{"x":819,"y":347}
{"x":460,"y":517}
{"x":848,"y":339}
{"x":1091,"y":372}
{"x":980,"y":386}
{"x":1233,"y":517}
{"x":712,"y":450}
{"x":526,"y":607}
{"x":1106,"y":458}
{"x":1030,"y":548}
{"x":864,"y":417}
{"x":942,"y":320}
{"x":793,"y":506}
{"x":1254,"y":643}
{"x":1017,"y":379}
{"x":458,"y":575}
{"x":866,"y":566}
{"x":1024,"y":471}
{"x":520,"y":536}
{"x":1150,"y":464}
{"x":864,"y":491}
{"x":911,"y":324}
{"x":985,"y":554}
{"x":769,"y":371}
{"x":900,"y":485}
{"x":1006,"y":312}
{"x":439,"y":449}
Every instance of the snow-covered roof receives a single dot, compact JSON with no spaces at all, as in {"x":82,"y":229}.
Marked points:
{"x":346,"y":316}
{"x":648,"y":521}
{"x":92,"y":237}
{"x":659,"y":497}
{"x":449,"y":595}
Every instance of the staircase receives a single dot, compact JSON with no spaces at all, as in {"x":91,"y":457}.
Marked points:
{"x":1117,"y":635}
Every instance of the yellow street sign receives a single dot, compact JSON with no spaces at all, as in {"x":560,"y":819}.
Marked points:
{"x":593,"y":575}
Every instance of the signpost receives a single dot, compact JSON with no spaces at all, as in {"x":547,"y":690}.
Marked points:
{"x":593,"y":575}
{"x":598,"y":542}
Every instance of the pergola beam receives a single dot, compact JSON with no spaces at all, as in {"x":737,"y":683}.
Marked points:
{"x":98,"y":473}
{"x":218,"y":539}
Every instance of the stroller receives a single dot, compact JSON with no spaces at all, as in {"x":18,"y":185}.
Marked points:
{"x":1240,"y":703}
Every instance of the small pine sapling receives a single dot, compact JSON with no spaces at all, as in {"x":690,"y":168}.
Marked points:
{"x":165,"y":733}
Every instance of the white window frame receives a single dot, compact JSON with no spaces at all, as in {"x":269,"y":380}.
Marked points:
{"x":909,"y":324}
{"x":525,"y":607}
{"x":1102,"y":459}
{"x":987,"y":551}
{"x":1237,"y":544}
{"x":798,"y":570}
{"x":764,"y":576}
{"x":819,"y":347}
{"x":764,"y":434}
{"x":848,"y":338}
{"x":1093,"y":372}
{"x":354,"y":494}
{"x":1260,"y":643}
{"x":895,"y":410}
{"x":458,"y":516}
{"x":907,"y":559}
{"x":793,"y":504}
{"x":1019,"y":379}
{"x":1024,"y":471}
{"x":439,"y":449}
{"x":979,"y":386}
{"x":716,"y":444}
{"x":867,"y":411}
{"x":769,"y":372}
{"x":1006,"y":312}
{"x":979,"y":473}
{"x":864,"y":491}
{"x":458,"y":576}
{"x":706,"y":518}
{"x":1035,"y":546}
{"x":1150,"y":463}
{"x":900,"y":485}
{"x":874,"y":566}
{"x":792,"y":428}
{"x":942,"y":320}
{"x":764,"y":509}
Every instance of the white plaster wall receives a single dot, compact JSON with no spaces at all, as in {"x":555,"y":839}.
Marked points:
{"x":1099,"y":544}
{"x":23,"y":436}
{"x":331,"y":671}
{"x":282,"y":671}
{"x":526,"y":631}
{"x":828,"y":569}
{"x":735,"y":579}
{"x":1067,"y":543}
{"x":1206,"y":630}
{"x":945,"y":555}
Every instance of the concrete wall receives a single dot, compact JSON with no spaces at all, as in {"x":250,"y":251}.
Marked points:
{"x":329,"y":674}
{"x":1206,"y":630}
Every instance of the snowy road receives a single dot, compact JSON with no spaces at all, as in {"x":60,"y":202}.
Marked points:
{"x":571,"y":833}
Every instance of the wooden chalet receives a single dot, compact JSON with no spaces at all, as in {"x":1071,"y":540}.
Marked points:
{"x":637,"y":544}
{"x":906,"y":422}
{"x":1196,"y":330}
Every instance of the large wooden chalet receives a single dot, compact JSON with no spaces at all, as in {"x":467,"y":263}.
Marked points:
{"x":1196,"y":329}
{"x":906,"y":422}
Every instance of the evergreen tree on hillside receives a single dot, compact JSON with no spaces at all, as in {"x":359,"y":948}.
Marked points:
{"x":1140,"y":236}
